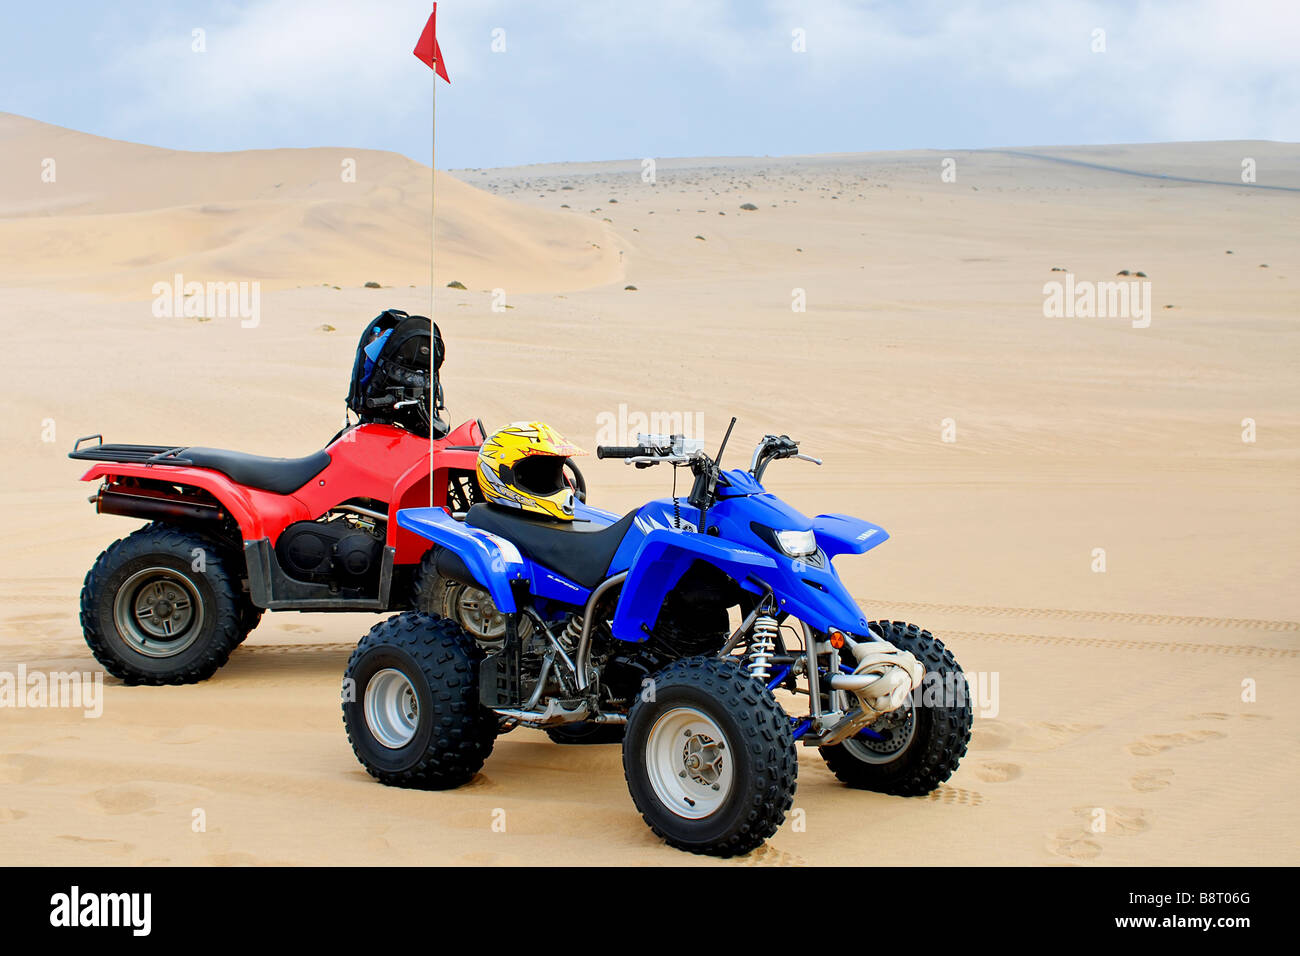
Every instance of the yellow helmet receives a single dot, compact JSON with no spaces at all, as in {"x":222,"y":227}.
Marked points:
{"x":522,"y":466}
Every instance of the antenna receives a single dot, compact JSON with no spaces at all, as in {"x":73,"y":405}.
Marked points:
{"x":723,"y":446}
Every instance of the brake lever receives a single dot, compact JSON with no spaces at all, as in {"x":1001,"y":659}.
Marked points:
{"x":815,"y":461}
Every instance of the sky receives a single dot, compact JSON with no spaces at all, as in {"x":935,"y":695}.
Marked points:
{"x":579,"y":80}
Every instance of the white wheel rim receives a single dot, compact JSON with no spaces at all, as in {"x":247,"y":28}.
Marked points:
{"x":689,"y":763}
{"x":392,"y":709}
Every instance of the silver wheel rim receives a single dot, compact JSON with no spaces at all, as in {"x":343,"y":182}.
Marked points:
{"x":477,"y":614}
{"x":158,"y":612}
{"x":899,"y":731}
{"x":689,"y":763}
{"x":392,"y":708}
{"x":473,"y":609}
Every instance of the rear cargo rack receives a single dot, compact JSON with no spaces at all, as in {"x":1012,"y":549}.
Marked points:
{"x":129,"y":454}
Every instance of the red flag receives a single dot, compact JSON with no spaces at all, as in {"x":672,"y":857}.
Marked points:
{"x":428,"y":51}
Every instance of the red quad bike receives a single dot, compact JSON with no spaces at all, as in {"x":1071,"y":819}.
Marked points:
{"x":231,"y":535}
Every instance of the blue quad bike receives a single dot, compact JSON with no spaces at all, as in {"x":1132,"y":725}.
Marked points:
{"x":611,"y":626}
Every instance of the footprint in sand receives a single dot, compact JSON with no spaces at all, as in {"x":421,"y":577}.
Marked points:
{"x":988,"y":735}
{"x":1128,"y":820}
{"x":231,"y":859}
{"x":991,"y":772}
{"x":955,"y":795}
{"x":1219,"y":715}
{"x":108,"y":847}
{"x":1153,"y":744}
{"x":1034,"y":736}
{"x":1122,"y":821}
{"x":21,"y":768}
{"x":767,"y":855}
{"x":1073,"y":844}
{"x":122,"y":799}
{"x":1149,"y":781}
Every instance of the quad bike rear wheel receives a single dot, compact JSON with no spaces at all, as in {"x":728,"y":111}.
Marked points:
{"x":250,"y":615}
{"x":411,"y":704}
{"x":909,"y":752}
{"x":709,"y":758}
{"x":468,"y":606}
{"x":162,"y":606}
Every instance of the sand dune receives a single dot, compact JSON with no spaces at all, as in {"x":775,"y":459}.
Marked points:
{"x":120,"y":215}
{"x":1120,"y":691}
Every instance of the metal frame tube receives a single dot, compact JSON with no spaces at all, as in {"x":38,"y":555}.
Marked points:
{"x":748,"y":622}
{"x":814,"y":679}
{"x":588,"y":612}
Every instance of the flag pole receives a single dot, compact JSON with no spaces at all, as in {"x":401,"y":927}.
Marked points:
{"x":427,"y":51}
{"x":433,"y":176}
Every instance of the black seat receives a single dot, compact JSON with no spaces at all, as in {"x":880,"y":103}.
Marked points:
{"x":580,"y":550}
{"x":280,"y":475}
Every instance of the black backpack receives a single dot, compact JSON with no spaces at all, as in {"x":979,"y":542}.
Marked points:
{"x":399,"y":385}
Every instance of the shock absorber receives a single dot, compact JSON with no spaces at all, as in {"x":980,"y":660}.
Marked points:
{"x":762,"y":642}
{"x":572,"y":632}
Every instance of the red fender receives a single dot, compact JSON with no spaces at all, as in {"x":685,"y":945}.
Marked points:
{"x":370,"y":461}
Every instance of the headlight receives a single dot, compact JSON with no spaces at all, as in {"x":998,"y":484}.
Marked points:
{"x":797,"y":544}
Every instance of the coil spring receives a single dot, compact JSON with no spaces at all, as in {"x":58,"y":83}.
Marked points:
{"x":572,"y":632}
{"x":761,"y":644}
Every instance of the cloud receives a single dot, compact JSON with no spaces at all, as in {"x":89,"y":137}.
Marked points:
{"x":589,"y":79}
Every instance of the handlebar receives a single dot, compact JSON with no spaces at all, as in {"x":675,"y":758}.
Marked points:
{"x":679,"y":450}
{"x":773,"y":448}
{"x":621,"y":451}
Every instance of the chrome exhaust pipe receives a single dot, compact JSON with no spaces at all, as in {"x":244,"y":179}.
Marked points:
{"x":883,"y":681}
{"x":154,"y":507}
{"x":884,"y":678}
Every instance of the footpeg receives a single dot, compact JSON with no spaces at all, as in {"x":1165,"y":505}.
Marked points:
{"x":556,"y":712}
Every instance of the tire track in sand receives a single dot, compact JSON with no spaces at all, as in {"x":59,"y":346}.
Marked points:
{"x":1102,"y":617}
{"x":1109,"y":643}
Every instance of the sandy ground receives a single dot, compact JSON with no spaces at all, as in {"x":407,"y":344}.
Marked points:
{"x":1120,"y":691}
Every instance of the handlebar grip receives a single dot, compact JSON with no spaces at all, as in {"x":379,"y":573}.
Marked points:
{"x":619,"y":451}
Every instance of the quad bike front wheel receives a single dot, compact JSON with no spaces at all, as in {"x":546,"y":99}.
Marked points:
{"x":411,"y":704}
{"x":161,"y":606}
{"x":910,"y":751}
{"x":709,"y":758}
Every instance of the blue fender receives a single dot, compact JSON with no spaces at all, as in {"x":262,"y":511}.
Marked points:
{"x":660,"y":561}
{"x":842,"y":534}
{"x":493,"y":560}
